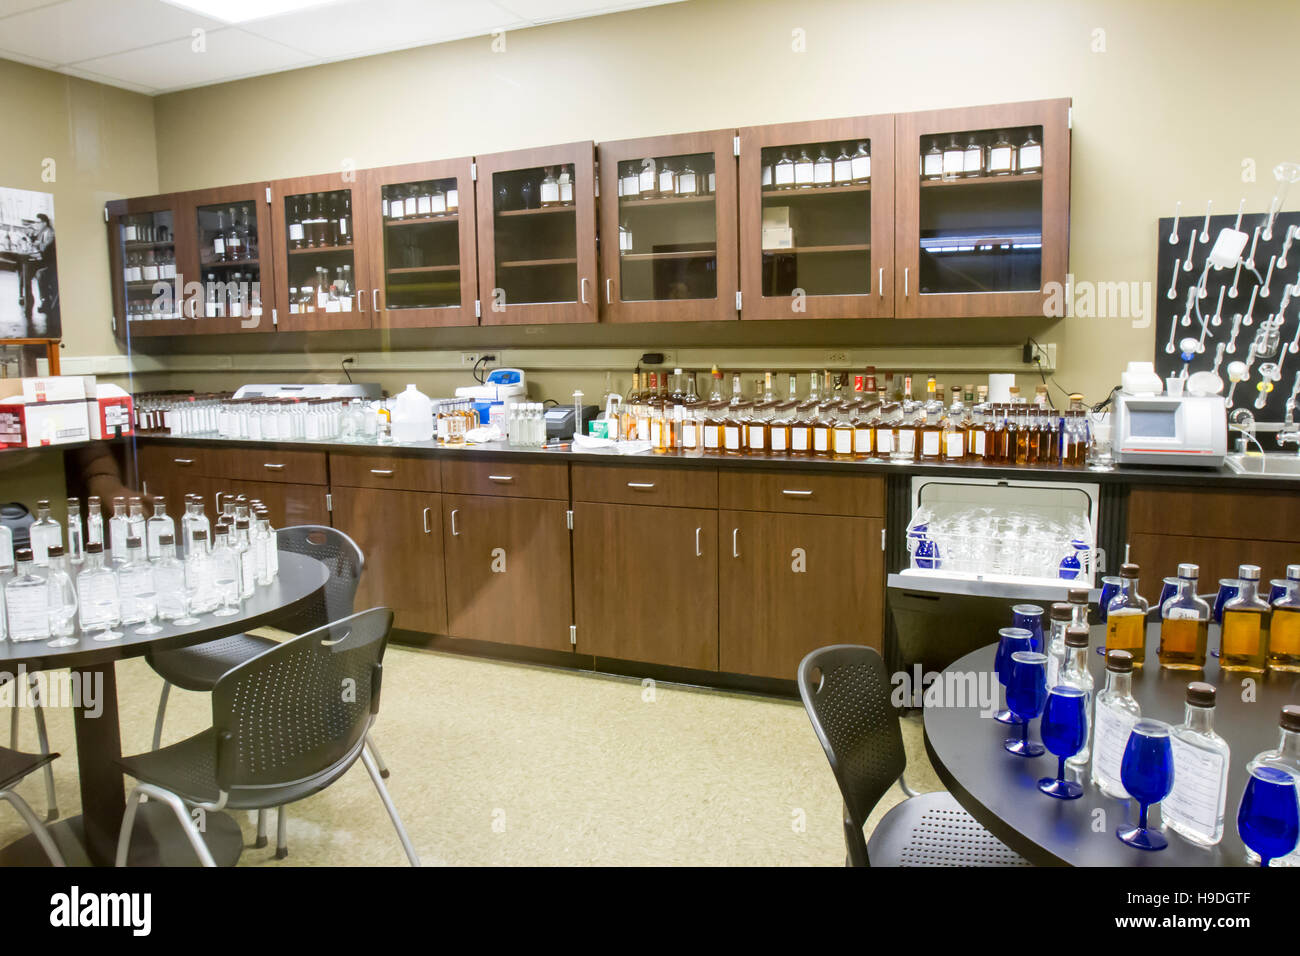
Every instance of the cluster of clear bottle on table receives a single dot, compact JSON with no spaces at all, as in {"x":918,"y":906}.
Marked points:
{"x":867,"y":423}
{"x":102,"y":574}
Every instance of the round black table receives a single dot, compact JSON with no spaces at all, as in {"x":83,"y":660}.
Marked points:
{"x":1000,"y":790}
{"x":92,"y":837}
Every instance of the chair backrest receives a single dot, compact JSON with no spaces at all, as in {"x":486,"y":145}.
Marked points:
{"x":341,"y":555}
{"x":845,"y":690}
{"x":296,"y":710}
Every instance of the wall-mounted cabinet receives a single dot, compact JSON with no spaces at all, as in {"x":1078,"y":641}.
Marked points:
{"x":230,"y":253}
{"x":537,"y":235}
{"x":982,"y":208}
{"x":146,"y":247}
{"x":668,"y":228}
{"x":817,"y":219}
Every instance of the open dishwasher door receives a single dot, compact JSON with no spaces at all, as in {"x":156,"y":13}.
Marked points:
{"x":978,"y":545}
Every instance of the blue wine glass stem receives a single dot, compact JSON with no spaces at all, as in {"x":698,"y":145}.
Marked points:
{"x":1060,"y":769}
{"x":1142,"y":816}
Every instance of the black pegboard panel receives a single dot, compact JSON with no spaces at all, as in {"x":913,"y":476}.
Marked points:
{"x":1170,"y":312}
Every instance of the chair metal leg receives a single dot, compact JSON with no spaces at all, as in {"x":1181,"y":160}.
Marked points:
{"x":281,"y":833}
{"x":182,"y":815}
{"x":51,"y":803}
{"x":908,"y":791}
{"x":13,"y":726}
{"x":162,"y":712}
{"x":261,"y":830}
{"x":388,"y":805}
{"x":38,"y":829}
{"x":379,"y":758}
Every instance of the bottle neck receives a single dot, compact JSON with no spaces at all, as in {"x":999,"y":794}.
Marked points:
{"x":1246,"y":590}
{"x":1077,"y":658}
{"x":1196,"y":717}
{"x":1289,"y":744}
{"x":1119,"y":684}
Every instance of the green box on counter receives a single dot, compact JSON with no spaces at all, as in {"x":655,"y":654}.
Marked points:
{"x":599,"y":428}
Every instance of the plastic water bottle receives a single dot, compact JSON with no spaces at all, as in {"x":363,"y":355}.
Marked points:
{"x":412,"y":416}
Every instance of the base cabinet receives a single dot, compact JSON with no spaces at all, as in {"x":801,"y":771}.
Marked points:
{"x":790,"y":583}
{"x":508,"y":570}
{"x":400,"y":533}
{"x":645,"y":583}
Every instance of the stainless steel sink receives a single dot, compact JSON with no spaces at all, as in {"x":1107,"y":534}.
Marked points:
{"x":1282,"y":464}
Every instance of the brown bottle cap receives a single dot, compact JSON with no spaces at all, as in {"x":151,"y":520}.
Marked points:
{"x":1078,"y":595}
{"x":94,"y":548}
{"x":1121,"y":662}
{"x":55,"y":551}
{"x":1201,"y":694}
{"x":1076,"y":636}
{"x":1291,"y":717}
{"x":1060,"y":612}
{"x":1128,"y":570}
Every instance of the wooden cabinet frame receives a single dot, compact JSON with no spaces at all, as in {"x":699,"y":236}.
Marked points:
{"x":183,"y":246}
{"x":194,"y":270}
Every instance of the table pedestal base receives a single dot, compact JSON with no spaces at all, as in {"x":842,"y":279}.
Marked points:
{"x":157,"y":840}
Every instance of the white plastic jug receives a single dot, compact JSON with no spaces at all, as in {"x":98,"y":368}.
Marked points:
{"x":412,"y":416}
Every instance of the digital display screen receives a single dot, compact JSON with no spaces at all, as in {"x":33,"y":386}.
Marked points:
{"x":1147,"y":423}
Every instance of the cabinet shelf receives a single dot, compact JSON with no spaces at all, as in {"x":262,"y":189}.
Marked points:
{"x":419,"y":270}
{"x":219,"y":264}
{"x":819,"y":250}
{"x":655,"y":256}
{"x":770,"y":193}
{"x":984,"y":180}
{"x":144,"y":244}
{"x":421,"y":221}
{"x":320,"y":250}
{"x":628,"y":203}
{"x":534,"y":263}
{"x":540,"y":211}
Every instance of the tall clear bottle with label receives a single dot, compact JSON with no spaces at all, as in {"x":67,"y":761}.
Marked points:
{"x":6,"y":550}
{"x":1243,"y":645}
{"x":135,"y":519}
{"x":61,"y":599}
{"x":100,"y":605}
{"x":76,"y":535}
{"x":1058,"y":616}
{"x":44,"y":534}
{"x":159,"y":524}
{"x":135,"y":583}
{"x":1115,"y":714}
{"x":199,"y":581}
{"x":26,"y":608}
{"x":1075,"y":673}
{"x":1194,"y":808}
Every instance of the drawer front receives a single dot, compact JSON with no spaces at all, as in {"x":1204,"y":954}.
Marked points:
{"x":511,"y":479}
{"x":1237,"y":513}
{"x":802,"y":493}
{"x":385,"y":471}
{"x":164,"y":461}
{"x":273,"y":464}
{"x":646,"y":485}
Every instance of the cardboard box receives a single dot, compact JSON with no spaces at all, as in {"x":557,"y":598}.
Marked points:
{"x":47,"y":411}
{"x":111,"y":413}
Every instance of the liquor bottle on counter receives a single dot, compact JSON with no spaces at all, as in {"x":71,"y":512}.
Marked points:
{"x":887,"y":428}
{"x":1244,"y":641}
{"x":1115,"y":714}
{"x":783,"y":414}
{"x":930,"y":423}
{"x":1075,"y":673}
{"x":159,"y":524}
{"x":956,"y":429}
{"x":1194,"y":808}
{"x":26,"y":607}
{"x":866,"y":418}
{"x":1184,"y":624}
{"x":758,"y":429}
{"x":44,"y":533}
{"x":733,"y":426}
{"x":805,"y":417}
{"x":1059,"y":619}
{"x":1126,"y":617}
{"x":823,"y":419}
{"x":135,"y":583}
{"x":1284,"y":630}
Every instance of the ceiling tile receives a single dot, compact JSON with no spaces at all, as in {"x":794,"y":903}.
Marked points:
{"x":107,"y":80}
{"x":545,"y":11}
{"x":368,"y":26}
{"x":81,"y":29}
{"x":229,"y":54}
{"x":10,"y":7}
{"x":29,"y":60}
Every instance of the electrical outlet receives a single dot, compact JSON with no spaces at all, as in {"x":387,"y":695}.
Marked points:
{"x":468,"y":358}
{"x":838,"y":358}
{"x":348,"y":360}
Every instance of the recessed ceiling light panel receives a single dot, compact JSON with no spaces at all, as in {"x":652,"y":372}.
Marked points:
{"x":241,"y":11}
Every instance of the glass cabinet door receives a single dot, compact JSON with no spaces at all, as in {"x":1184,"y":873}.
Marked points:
{"x":143,"y":249}
{"x":423,"y":245}
{"x":816,"y":219}
{"x":668,"y":214}
{"x":232,"y":262}
{"x":986,"y":197}
{"x":322,"y":283}
{"x":536,"y":217}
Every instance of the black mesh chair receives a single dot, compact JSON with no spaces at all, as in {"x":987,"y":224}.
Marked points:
{"x":285,"y":725}
{"x":14,"y":766}
{"x":845,"y":690}
{"x":198,"y":668}
{"x":43,"y":740}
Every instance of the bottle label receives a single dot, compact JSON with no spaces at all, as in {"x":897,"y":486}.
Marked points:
{"x":784,"y":174}
{"x":843,"y":171}
{"x":1031,"y":157}
{"x":295,"y":231}
{"x":979,"y":443}
{"x":731,"y":435}
{"x":756,"y":438}
{"x":778,"y":439}
{"x":957,"y":448}
{"x":933,"y":164}
{"x":411,"y":205}
{"x":862,"y":440}
{"x":821,"y":439}
{"x":884,"y":441}
{"x":822,"y":173}
{"x":1109,"y":741}
{"x":453,"y":200}
{"x":973,"y":160}
{"x":631,"y":185}
{"x":799,"y":439}
{"x":666,"y":184}
{"x":953,"y":162}
{"x":656,"y":431}
{"x":686,"y":184}
{"x":843,"y":441}
{"x":647,"y":181}
{"x":218,"y":246}
{"x":861,"y":167}
{"x":550,"y":192}
{"x":690,"y":435}
{"x":1000,"y":159}
{"x":1198,"y":782}
{"x":711,"y":436}
{"x":423,"y":206}
{"x":907,"y":441}
{"x":930,"y":444}
{"x":803,"y":173}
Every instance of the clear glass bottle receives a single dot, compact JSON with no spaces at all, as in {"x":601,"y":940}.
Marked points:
{"x":44,"y":534}
{"x":862,"y":163}
{"x":6,"y":549}
{"x":100,"y":606}
{"x":1114,"y":716}
{"x":1284,"y":629}
{"x":1001,"y":156}
{"x":200,"y":584}
{"x":241,"y":541}
{"x":1194,"y":808}
{"x":76,"y":534}
{"x":169,"y":577}
{"x":1078,"y":598}
{"x":135,"y":519}
{"x":842,"y":174}
{"x":804,"y":174}
{"x":1059,"y":618}
{"x":60,"y":597}
{"x":26,"y":612}
{"x":550,"y":190}
{"x":159,"y":524}
{"x":733,"y":426}
{"x":823,"y":169}
{"x":265,"y":542}
{"x":1184,"y":624}
{"x":1285,"y":757}
{"x":932,"y":160}
{"x":1030,"y":155}
{"x":954,"y":159}
{"x":1243,"y":644}
{"x":1126,"y":617}
{"x":1075,"y":673}
{"x":135,"y":582}
{"x":973,"y":157}
{"x":227,"y":573}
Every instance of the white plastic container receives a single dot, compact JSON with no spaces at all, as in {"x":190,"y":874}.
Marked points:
{"x":412,"y":416}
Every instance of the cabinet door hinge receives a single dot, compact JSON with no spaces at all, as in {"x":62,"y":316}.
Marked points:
{"x":329,"y":502}
{"x":268,"y":195}
{"x":568,"y":519}
{"x":573,"y":634}
{"x":882,"y":539}
{"x":478,"y":308}
{"x":1069,"y":117}
{"x":735,"y":145}
{"x":473,"y":172}
{"x":275,"y":319}
{"x":738,"y":300}
{"x":106,"y":214}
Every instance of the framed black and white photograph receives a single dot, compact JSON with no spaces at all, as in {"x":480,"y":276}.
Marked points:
{"x":29,"y":272}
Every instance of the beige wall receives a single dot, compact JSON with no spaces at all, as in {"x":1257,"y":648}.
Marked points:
{"x":1153,"y":123}
{"x":102,"y":142}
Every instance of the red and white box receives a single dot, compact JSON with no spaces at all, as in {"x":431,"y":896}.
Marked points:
{"x":112,"y":413}
{"x":48,"y":411}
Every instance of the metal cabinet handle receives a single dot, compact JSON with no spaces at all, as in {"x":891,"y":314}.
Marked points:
{"x":880,"y":282}
{"x":427,"y":529}
{"x":183,"y":461}
{"x":735,"y":542}
{"x":374,"y":298}
{"x":501,"y":478}
{"x":698,"y":552}
{"x":454,"y":532}
{"x":584,"y":290}
{"x":361,"y":306}
{"x":384,"y":473}
{"x":609,"y":298}
{"x":273,"y":466}
{"x":216,"y":502}
{"x":907,"y":272}
{"x":641,"y":485}
{"x":796,"y":493}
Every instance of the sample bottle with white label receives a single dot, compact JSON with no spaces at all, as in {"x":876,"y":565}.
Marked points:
{"x":1075,"y":673}
{"x":44,"y":534}
{"x":1115,"y":715}
{"x":1194,"y":808}
{"x":25,"y":601}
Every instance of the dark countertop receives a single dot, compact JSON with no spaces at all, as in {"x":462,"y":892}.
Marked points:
{"x":1125,"y":475}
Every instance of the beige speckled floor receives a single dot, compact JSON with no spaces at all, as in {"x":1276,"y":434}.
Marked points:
{"x":505,"y":764}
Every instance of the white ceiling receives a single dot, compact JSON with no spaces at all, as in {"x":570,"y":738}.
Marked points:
{"x":147,"y":45}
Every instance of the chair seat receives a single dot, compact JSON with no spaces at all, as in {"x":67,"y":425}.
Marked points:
{"x":189,"y":770}
{"x":199,"y":667}
{"x":934,"y":830}
{"x":15,"y":765}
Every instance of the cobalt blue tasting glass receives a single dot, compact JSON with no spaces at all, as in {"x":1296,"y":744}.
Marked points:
{"x":1277,"y":589}
{"x":1109,"y":588}
{"x":1268,"y":820}
{"x":1026,"y":696}
{"x":1030,"y":617}
{"x":1147,"y":773}
{"x":1010,"y":640}
{"x":1169,"y":590}
{"x":1064,"y":729}
{"x":1228,"y":588}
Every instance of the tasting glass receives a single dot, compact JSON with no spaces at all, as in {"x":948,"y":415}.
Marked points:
{"x":106,"y":617}
{"x":1147,"y":772}
{"x":149,"y":609}
{"x":1064,"y":729}
{"x":1030,"y":617}
{"x":1026,"y":697}
{"x":228,"y":588}
{"x":1228,"y":589}
{"x":1268,"y":820}
{"x":1010,"y":640}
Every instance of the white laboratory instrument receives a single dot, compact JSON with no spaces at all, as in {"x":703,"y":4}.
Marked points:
{"x":501,"y":385}
{"x":1187,"y":430}
{"x":292,"y":390}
